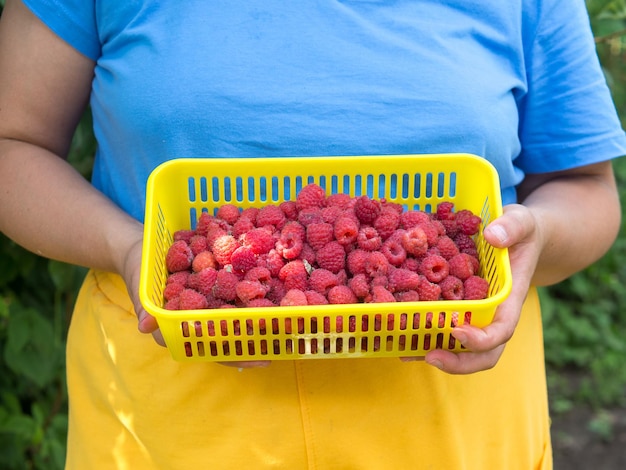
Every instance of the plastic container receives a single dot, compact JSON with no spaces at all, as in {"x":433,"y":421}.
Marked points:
{"x":179,"y":190}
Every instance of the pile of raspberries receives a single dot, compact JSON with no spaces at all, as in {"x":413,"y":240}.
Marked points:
{"x":321,"y":249}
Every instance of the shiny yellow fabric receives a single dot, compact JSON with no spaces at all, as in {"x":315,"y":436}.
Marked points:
{"x":133,"y":407}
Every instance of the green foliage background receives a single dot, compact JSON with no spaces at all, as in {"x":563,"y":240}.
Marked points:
{"x":585,"y":328}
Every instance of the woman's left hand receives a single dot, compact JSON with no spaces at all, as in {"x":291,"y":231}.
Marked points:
{"x":518,"y":231}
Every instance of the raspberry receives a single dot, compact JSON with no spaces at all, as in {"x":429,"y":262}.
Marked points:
{"x":403,"y":280}
{"x":366,"y":209}
{"x":228,"y":213}
{"x":249,"y":213}
{"x":444,"y":211}
{"x":393,"y":250}
{"x":250,"y":290}
{"x":380,"y":280}
{"x":386,"y":205}
{"x":467,"y":222}
{"x":346,"y":230}
{"x":412,"y":264}
{"x":315,"y":298}
{"x":380,"y":294}
{"x":428,"y":290}
{"x":476,"y":288}
{"x":223,"y":248}
{"x":271,"y":215}
{"x":273,"y":262}
{"x":450,"y":226}
{"x":184,"y":235}
{"x":368,"y":239}
{"x":307,"y":254}
{"x":318,"y":234}
{"x":339,"y":200}
{"x":294,"y":275}
{"x":331,"y":214}
{"x":203,"y":281}
{"x":431,"y":229}
{"x":173,"y":290}
{"x":179,"y":257}
{"x":172,"y":304}
{"x":204,"y":221}
{"x":190,"y":299}
{"x":225,"y":287}
{"x":322,"y":280}
{"x":276,"y":290}
{"x":407,"y":296}
{"x":289,"y":245}
{"x":461,"y":266}
{"x":464,"y":242}
{"x":434,"y":268}
{"x":243,"y":259}
{"x":179,"y":277}
{"x":242,"y":226}
{"x":359,"y":285}
{"x":214,"y":232}
{"x":377,"y":264}
{"x":259,"y":274}
{"x":259,"y":240}
{"x":412,"y":218}
{"x":198,"y":244}
{"x":414,"y":241}
{"x":387,"y":223}
{"x":310,"y":216}
{"x":294,"y":297}
{"x":294,"y":227}
{"x":341,"y":295}
{"x":342,"y":277}
{"x":446,"y":247}
{"x":290,"y":210}
{"x":452,"y":288}
{"x":311,"y":195}
{"x":331,"y":256}
{"x":356,"y":260}
{"x":261,"y":302}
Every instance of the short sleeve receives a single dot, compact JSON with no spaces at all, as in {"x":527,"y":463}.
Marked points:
{"x":73,"y":21}
{"x":567,"y":115}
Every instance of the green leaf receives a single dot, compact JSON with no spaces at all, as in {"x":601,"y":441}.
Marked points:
{"x":30,"y":349}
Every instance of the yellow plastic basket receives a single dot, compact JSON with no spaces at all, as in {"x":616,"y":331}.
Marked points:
{"x":179,"y":190}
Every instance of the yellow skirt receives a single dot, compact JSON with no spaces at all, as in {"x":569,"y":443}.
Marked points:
{"x":133,"y":407}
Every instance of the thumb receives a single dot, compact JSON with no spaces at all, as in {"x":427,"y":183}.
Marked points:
{"x":512,"y":227}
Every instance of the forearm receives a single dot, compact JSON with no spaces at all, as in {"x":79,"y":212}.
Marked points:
{"x":50,"y":209}
{"x":578,"y":217}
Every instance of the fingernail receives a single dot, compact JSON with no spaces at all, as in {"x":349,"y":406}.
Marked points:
{"x":499,"y":232}
{"x":436,"y":363}
{"x":460,"y":337}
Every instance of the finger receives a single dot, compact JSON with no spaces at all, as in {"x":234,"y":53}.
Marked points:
{"x":464,"y":362}
{"x":513,"y":226}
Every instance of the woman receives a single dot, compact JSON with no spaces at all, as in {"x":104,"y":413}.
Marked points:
{"x":516,"y":82}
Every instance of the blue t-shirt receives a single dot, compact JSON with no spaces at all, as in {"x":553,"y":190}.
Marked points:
{"x":515,"y":81}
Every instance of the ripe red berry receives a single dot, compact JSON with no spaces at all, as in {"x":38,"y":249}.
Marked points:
{"x":346,"y":230}
{"x":318,"y":234}
{"x":366,"y":209}
{"x":190,"y":299}
{"x":461,"y":266}
{"x":228,"y":213}
{"x":311,"y":196}
{"x":331,"y":256}
{"x":341,"y":295}
{"x":434,"y":268}
{"x":452,"y":288}
{"x":476,"y":288}
{"x":179,"y":257}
